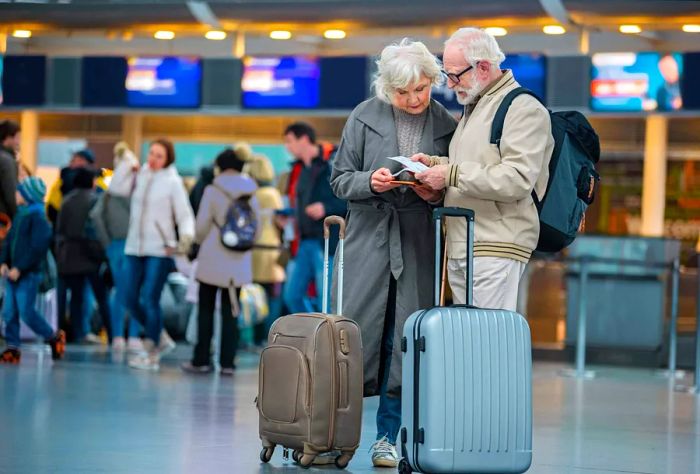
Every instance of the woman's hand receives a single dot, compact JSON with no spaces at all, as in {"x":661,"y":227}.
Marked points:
{"x":428,"y":194}
{"x":380,"y":182}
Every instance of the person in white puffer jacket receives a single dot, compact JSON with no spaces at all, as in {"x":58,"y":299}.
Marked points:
{"x":161,"y":224}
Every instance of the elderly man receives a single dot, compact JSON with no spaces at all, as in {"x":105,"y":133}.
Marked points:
{"x":495,"y":181}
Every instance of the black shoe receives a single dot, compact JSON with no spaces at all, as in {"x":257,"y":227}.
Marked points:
{"x":189,"y":368}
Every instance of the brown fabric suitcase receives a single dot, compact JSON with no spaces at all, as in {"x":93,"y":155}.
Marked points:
{"x":310,"y":380}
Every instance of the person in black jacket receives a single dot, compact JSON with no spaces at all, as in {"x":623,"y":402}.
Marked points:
{"x":79,"y":253}
{"x":21,"y":260}
{"x":314,"y":201}
{"x":206,"y":177}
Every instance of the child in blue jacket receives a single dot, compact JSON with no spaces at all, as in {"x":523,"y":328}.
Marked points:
{"x":21,"y":259}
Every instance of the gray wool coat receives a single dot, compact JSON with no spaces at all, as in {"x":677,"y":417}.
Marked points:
{"x":387,"y":234}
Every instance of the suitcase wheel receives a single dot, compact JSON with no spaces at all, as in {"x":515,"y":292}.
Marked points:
{"x":307,"y":460}
{"x":296,"y":455}
{"x":404,"y":467}
{"x":266,"y":454}
{"x":342,"y":461}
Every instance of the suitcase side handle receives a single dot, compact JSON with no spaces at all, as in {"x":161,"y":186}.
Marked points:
{"x":438,"y":215}
{"x":327,"y":223}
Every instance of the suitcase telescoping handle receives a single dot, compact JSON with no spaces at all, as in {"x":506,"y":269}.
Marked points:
{"x":327,"y":223}
{"x":438,"y":215}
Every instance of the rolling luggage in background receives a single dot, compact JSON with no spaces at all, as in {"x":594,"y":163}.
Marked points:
{"x":310,"y":379}
{"x":467,"y":383}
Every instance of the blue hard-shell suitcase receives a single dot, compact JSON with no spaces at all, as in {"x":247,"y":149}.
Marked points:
{"x":467,"y":384}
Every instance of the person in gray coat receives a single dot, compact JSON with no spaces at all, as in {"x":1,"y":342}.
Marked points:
{"x":389,"y":240}
{"x":110,"y":216}
{"x":9,"y":144}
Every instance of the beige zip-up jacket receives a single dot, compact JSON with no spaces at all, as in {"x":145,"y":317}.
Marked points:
{"x":498,"y":186}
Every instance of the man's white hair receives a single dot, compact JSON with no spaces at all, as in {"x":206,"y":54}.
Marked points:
{"x":403,"y":64}
{"x":477,"y":45}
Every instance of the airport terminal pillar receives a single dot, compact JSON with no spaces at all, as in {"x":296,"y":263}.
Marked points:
{"x":654,"y":182}
{"x":29,"y":141}
{"x":132,"y":131}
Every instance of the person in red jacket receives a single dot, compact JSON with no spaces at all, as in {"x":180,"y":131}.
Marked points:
{"x":310,"y":194}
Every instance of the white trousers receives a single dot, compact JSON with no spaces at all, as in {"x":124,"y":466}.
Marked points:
{"x":495,"y":281}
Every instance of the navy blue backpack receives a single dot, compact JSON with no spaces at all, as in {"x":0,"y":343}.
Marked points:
{"x":240,"y":227}
{"x":572,"y":173}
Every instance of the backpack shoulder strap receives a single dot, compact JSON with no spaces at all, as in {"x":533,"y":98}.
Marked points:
{"x":500,"y":118}
{"x":499,"y":121}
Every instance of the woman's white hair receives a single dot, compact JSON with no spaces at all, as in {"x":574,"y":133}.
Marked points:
{"x":403,"y":64}
{"x":477,"y":45}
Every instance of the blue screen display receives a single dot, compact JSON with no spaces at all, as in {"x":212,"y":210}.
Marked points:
{"x":633,"y":82}
{"x":528,"y":69}
{"x":164,"y":82}
{"x":281,"y":82}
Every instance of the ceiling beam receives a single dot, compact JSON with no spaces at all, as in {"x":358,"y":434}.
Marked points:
{"x":203,"y":14}
{"x":557,"y":10}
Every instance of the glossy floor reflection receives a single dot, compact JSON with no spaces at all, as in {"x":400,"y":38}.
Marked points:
{"x":93,"y":414}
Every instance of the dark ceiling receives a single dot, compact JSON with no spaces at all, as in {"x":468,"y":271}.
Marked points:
{"x":83,"y":14}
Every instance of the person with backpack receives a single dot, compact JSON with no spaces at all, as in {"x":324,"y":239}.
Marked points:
{"x":495,"y":181}
{"x":226,"y":228}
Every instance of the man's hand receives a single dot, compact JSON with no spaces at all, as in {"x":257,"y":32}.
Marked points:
{"x":434,"y":177}
{"x":4,"y":270}
{"x":422,"y":157}
{"x":316,"y":211}
{"x":380,"y":182}
{"x":427,"y":194}
{"x":13,"y":274}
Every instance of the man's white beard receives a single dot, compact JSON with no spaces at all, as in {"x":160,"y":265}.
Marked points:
{"x":471,"y":93}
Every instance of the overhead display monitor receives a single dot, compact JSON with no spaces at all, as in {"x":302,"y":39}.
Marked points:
{"x":690,"y":92}
{"x":24,"y":80}
{"x":280,"y":82}
{"x":347,"y":74}
{"x":633,"y":82}
{"x":528,"y":69}
{"x":102,"y":83}
{"x":164,"y":82}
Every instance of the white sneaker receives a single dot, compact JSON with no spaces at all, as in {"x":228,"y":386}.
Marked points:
{"x":134,"y":345}
{"x":326,"y":458}
{"x":93,"y":338}
{"x":118,"y":344}
{"x":384,"y":454}
{"x":148,"y":362}
{"x":167,"y":345}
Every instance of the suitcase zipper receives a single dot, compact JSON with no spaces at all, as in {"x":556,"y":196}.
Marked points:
{"x":334,"y":404}
{"x":418,"y":347}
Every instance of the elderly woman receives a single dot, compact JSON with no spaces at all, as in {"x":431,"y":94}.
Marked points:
{"x":389,"y":250}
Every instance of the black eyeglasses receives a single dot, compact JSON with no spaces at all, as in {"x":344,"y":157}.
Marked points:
{"x":455,"y":77}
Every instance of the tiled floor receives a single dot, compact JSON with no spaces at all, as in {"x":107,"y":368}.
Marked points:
{"x":93,"y":414}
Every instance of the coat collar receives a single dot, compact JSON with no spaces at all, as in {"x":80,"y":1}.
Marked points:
{"x":506,"y":80}
{"x":378,"y":116}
